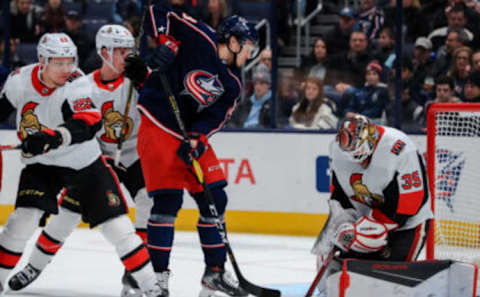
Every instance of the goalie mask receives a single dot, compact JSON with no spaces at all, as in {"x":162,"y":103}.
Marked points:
{"x":56,"y":45}
{"x":111,"y":37}
{"x":357,"y":138}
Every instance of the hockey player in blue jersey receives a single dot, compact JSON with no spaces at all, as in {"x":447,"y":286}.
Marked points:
{"x":203,"y":70}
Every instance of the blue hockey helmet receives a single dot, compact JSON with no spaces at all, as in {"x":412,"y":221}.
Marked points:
{"x":239,"y":27}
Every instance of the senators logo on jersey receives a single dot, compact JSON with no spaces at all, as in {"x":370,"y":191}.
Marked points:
{"x":363,"y":194}
{"x":203,"y":86}
{"x":29,"y":123}
{"x":113,"y":122}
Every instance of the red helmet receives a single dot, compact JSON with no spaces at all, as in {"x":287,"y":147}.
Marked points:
{"x":353,"y":138}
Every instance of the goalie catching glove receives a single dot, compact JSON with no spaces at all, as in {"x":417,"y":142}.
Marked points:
{"x":193,"y":150}
{"x":365,"y":236}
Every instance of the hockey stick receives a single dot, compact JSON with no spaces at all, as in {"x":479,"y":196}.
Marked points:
{"x":123,"y":132}
{"x":320,"y":273}
{"x":10,"y":147}
{"x":245,"y":284}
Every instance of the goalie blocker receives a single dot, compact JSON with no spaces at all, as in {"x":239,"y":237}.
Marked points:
{"x":364,"y":278}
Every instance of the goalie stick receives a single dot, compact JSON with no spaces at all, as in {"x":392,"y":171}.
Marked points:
{"x":198,"y":173}
{"x":320,"y":272}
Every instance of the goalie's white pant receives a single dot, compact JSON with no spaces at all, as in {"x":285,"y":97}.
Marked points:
{"x":20,"y":226}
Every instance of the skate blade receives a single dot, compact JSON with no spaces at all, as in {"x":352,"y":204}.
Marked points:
{"x":130,"y":292}
{"x":206,"y":292}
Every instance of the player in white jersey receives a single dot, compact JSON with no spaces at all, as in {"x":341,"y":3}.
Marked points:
{"x":65,"y":161}
{"x":379,"y":205}
{"x":108,"y":89}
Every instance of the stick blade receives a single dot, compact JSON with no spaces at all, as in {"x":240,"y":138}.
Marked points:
{"x":257,"y":290}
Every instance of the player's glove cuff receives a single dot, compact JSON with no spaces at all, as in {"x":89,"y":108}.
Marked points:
{"x":165,"y":53}
{"x":136,"y":69}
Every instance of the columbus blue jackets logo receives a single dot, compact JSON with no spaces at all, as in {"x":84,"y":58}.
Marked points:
{"x":450,"y":166}
{"x":203,"y":86}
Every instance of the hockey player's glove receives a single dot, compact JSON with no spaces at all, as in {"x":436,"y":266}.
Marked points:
{"x":165,"y":53}
{"x":41,"y":142}
{"x":135,"y":69}
{"x":365,"y":236}
{"x":193,"y":150}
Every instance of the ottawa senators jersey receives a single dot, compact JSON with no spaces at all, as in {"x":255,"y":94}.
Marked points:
{"x":39,"y":107}
{"x":392,"y":189}
{"x":111,"y":99}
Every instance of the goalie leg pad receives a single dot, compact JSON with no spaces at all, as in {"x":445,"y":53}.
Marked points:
{"x":57,"y":230}
{"x":214,"y":251}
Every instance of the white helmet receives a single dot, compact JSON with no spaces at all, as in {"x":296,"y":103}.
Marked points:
{"x":357,"y":137}
{"x":111,"y":37}
{"x":56,"y":45}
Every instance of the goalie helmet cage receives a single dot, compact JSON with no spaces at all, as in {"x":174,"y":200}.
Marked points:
{"x":453,"y":164}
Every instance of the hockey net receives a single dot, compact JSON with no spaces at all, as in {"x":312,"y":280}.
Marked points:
{"x":453,"y":164}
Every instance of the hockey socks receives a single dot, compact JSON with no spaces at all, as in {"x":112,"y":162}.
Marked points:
{"x":20,"y":227}
{"x":160,"y":240}
{"x":212,"y":244}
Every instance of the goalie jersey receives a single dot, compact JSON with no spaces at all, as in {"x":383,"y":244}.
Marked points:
{"x":111,"y":99}
{"x":39,"y":107}
{"x":392,"y":188}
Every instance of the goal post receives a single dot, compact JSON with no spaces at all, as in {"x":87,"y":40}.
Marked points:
{"x":453,"y":165}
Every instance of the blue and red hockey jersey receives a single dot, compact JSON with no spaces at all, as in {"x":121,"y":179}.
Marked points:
{"x":205,"y":88}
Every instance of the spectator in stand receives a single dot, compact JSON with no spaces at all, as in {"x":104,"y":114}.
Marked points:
{"x":133,"y":25}
{"x":423,"y":61}
{"x":254,"y":112}
{"x":25,"y":21}
{"x":339,"y":37}
{"x":413,"y":19}
{"x":287,"y":97}
{"x":370,"y":19}
{"x":53,"y":17}
{"x":444,"y":90}
{"x":385,"y":52}
{"x":456,"y":38}
{"x":460,"y":68}
{"x":372,"y":99}
{"x":15,"y":60}
{"x":126,"y":9}
{"x":314,"y":111}
{"x":216,"y":12}
{"x":472,"y":88}
{"x":316,"y":63}
{"x":348,"y":69}
{"x":455,"y":19}
{"x":266,"y":58}
{"x":476,"y":61}
{"x":85,"y":46}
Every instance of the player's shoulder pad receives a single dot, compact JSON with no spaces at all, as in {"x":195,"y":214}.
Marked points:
{"x":397,"y":142}
{"x":75,"y":75}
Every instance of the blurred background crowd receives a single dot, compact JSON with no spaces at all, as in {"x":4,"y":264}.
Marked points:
{"x":319,"y":60}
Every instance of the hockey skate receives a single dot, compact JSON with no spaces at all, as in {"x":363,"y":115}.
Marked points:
{"x":217,"y":282}
{"x":130,"y":286}
{"x":24,"y":277}
{"x":161,"y":287}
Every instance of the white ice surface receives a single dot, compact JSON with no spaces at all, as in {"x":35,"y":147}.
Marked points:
{"x":87,"y":266}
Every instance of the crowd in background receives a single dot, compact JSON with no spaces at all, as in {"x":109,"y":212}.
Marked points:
{"x":351,"y":69}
